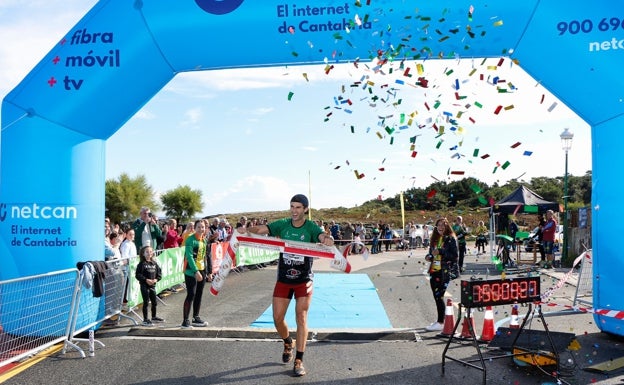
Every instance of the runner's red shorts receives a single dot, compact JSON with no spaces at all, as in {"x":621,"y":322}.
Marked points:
{"x":286,"y":290}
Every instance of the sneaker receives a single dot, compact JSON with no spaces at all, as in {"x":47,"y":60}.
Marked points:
{"x":157,"y":319}
{"x":197,"y":321}
{"x":186,"y":324}
{"x":288,"y":352}
{"x":298,"y":369}
{"x":435,"y":327}
{"x":147,"y":323}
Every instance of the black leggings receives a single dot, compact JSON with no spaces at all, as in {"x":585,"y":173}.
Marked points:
{"x":194,"y":291}
{"x":148,"y":293}
{"x":461,"y":247}
{"x":439,"y":282}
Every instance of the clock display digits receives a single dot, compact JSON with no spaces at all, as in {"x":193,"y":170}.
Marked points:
{"x":479,"y":293}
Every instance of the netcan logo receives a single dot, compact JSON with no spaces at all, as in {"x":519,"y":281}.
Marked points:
{"x":219,"y":7}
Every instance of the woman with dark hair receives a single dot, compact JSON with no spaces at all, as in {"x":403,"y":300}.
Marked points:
{"x":195,"y":253}
{"x":443,"y":256}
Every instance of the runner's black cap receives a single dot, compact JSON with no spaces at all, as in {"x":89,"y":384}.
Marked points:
{"x":300,"y":198}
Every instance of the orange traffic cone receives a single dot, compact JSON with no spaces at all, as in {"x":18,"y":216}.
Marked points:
{"x":468,"y":326}
{"x":487,"y":334}
{"x":449,"y":319}
{"x":514,"y":324}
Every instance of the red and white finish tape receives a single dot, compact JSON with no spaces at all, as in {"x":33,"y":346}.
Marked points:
{"x":306,"y":249}
{"x":619,"y":314}
{"x":586,"y":257}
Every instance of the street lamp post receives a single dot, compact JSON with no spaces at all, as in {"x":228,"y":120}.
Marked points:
{"x":566,"y":143}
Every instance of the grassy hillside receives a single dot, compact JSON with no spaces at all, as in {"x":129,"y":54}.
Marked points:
{"x":379,"y":214}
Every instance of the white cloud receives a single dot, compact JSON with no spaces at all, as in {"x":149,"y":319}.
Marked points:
{"x":192,"y":117}
{"x":19,"y":51}
{"x":262,"y":111}
{"x":237,"y":79}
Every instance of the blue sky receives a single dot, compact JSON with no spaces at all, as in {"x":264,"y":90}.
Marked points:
{"x":236,"y":136}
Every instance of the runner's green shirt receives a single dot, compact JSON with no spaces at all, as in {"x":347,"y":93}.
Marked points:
{"x":295,"y":268}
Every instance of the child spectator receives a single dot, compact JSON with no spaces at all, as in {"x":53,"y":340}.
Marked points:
{"x":148,"y":273}
{"x":357,"y":247}
{"x":375,"y":248}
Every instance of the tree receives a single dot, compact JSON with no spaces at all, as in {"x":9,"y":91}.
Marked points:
{"x":182,"y":203}
{"x":580,"y":188}
{"x":125,"y":197}
{"x":551,"y":189}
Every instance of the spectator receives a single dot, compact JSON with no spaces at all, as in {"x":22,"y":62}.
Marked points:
{"x":387,"y":236}
{"x":146,"y":229}
{"x":513,"y":229}
{"x":425,"y":242}
{"x":242,"y":222}
{"x":460,"y":233}
{"x":360,"y":229}
{"x":222,"y":230}
{"x":538,"y":239}
{"x":195,"y":275}
{"x":172,"y":239}
{"x":482,"y":239}
{"x":114,"y":241}
{"x":413,"y":235}
{"x":357,"y":244}
{"x":128,"y":250}
{"x":406,"y":232}
{"x":108,"y":247}
{"x":549,"y":232}
{"x":188,"y":230}
{"x":148,"y":273}
{"x":347,"y":235}
{"x":442,"y":254}
{"x":334,"y":230}
{"x":375,"y":248}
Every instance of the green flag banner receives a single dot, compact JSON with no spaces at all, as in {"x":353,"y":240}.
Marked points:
{"x":246,"y":255}
{"x":171,"y":262}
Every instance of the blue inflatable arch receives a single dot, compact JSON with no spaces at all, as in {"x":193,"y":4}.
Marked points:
{"x":56,"y":121}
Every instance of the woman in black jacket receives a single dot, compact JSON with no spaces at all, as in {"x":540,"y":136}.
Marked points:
{"x":443,"y":256}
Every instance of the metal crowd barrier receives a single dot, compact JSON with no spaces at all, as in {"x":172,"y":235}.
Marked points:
{"x":584,"y":287}
{"x":40,"y":311}
{"x":96,"y":304}
{"x":35,"y":313}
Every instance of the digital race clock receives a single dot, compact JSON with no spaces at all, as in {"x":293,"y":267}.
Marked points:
{"x":495,"y":292}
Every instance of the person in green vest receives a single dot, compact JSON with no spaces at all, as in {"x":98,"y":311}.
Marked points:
{"x":146,"y":229}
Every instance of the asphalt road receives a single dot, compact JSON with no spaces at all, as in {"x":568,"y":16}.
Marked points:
{"x":230,"y":352}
